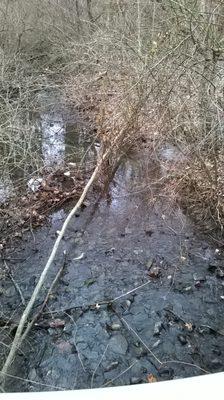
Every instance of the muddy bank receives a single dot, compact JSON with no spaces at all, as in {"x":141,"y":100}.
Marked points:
{"x":168,"y":325}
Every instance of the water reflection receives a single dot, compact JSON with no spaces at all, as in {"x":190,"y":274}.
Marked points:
{"x":53,"y":140}
{"x":63,"y":137}
{"x":6,"y":189}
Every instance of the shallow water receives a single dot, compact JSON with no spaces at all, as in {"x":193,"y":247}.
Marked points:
{"x":62,"y":137}
{"x":112,"y":247}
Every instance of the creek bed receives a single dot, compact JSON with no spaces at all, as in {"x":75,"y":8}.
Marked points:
{"x":137,"y":243}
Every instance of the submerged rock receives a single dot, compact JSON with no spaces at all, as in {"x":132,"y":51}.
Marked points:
{"x":182,"y":339}
{"x":111,"y":366}
{"x":157,"y":328}
{"x":118,"y":344}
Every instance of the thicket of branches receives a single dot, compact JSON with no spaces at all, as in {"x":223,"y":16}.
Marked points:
{"x":154,"y":65}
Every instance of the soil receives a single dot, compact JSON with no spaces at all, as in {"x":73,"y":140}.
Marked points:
{"x":140,"y":299}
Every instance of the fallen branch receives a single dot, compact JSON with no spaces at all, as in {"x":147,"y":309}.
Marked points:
{"x":19,"y":332}
{"x":39,"y":312}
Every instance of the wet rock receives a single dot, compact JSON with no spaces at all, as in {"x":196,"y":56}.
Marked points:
{"x":155,"y":272}
{"x":199,"y":278}
{"x":134,"y":380}
{"x":211,"y":312}
{"x":140,"y":352}
{"x":111,"y":366}
{"x":157,"y":328}
{"x":182,"y":339}
{"x":115,"y":327}
{"x":52,"y":331}
{"x":182,"y":287}
{"x":118,"y":344}
{"x":188,"y":289}
{"x":204,"y":330}
{"x":10,"y":292}
{"x":166,"y":372}
{"x":220,"y":273}
{"x":216,"y":363}
{"x":212,"y":267}
{"x":156,"y":344}
{"x":128,"y":303}
{"x":32,"y":375}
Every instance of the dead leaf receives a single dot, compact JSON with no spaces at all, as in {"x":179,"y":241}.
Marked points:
{"x":151,"y":378}
{"x":189,"y":326}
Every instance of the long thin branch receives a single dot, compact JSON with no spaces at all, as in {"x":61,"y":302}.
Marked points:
{"x":17,"y":339}
{"x":39,"y":312}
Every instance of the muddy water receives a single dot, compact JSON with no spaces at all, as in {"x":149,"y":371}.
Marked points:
{"x":138,"y":245}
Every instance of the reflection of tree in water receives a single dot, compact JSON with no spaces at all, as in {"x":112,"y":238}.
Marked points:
{"x":6,"y":188}
{"x":133,"y":180}
{"x":53,"y":140}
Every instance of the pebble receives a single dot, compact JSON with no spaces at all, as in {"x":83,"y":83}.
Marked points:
{"x":10,"y":292}
{"x":118,"y":344}
{"x":182,"y":339}
{"x":111,"y":366}
{"x":156,"y":344}
{"x":115,"y":327}
{"x":188,"y":289}
{"x":157,"y":328}
{"x":166,"y":372}
{"x":134,"y":380}
{"x":199,"y":278}
{"x":32,"y":375}
{"x":128,"y":303}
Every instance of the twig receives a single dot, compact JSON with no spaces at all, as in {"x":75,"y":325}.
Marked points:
{"x":139,"y":338}
{"x":34,"y":382}
{"x":187,"y":363}
{"x":100,"y":303}
{"x":75,"y":344}
{"x":14,"y":283}
{"x":129,"y":292}
{"x":94,"y":372}
{"x":122,"y":373}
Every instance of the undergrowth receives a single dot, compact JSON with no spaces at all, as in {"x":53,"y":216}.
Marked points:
{"x":135,"y":68}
